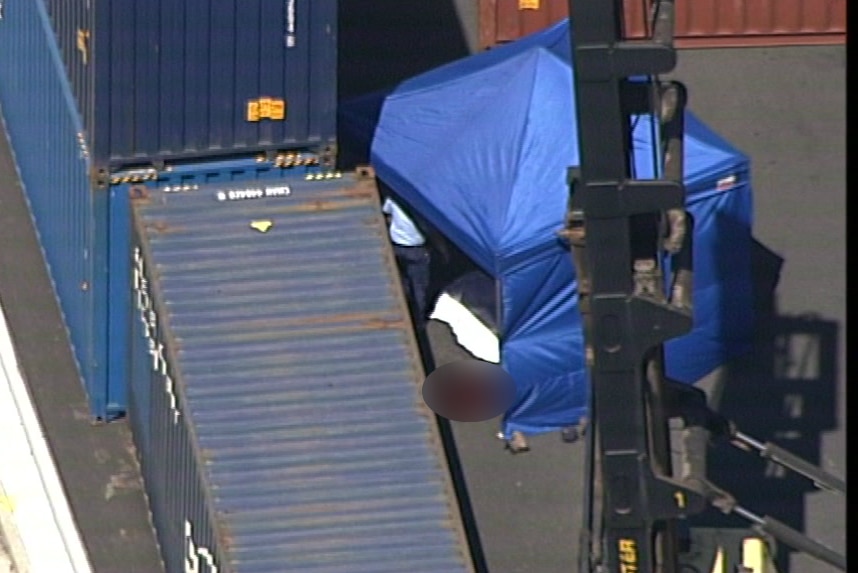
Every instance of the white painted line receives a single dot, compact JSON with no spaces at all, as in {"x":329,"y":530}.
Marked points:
{"x":43,"y":535}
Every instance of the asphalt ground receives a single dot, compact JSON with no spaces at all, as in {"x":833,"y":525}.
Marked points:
{"x":785,"y":107}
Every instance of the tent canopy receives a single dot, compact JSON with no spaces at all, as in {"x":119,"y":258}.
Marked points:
{"x":480,"y":148}
{"x":505,"y":121}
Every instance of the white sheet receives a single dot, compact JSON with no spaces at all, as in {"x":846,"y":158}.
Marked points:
{"x":470,"y":332}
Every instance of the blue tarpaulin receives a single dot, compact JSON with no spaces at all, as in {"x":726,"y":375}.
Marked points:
{"x":480,"y":148}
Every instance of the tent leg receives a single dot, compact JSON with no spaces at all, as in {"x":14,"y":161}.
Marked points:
{"x":575,"y":234}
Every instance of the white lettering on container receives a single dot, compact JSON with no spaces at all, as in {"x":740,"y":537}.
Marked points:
{"x":149,"y":319}
{"x":290,"y":23}
{"x":180,"y":188}
{"x":253,"y":193}
{"x":193,"y":553}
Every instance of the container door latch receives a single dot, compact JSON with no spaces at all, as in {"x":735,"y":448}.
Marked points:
{"x":83,"y":44}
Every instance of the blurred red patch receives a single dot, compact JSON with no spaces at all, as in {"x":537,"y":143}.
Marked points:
{"x":469,"y":391}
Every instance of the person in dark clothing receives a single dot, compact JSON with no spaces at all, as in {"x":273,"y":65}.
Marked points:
{"x":415,"y":245}
{"x":413,"y":258}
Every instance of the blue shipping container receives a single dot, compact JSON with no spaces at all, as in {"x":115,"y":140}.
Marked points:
{"x":276,"y":403}
{"x":71,"y":222}
{"x":84,"y":230}
{"x":166,"y":80}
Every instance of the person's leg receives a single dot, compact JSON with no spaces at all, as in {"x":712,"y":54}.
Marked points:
{"x":419,"y":279}
{"x":402,"y":264}
{"x":408,"y":259}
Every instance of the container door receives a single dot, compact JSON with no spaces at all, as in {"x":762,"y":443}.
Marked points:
{"x":699,"y":23}
{"x":705,"y":23}
{"x":508,"y":20}
{"x":189,"y":79}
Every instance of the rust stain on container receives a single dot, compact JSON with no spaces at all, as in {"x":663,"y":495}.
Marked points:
{"x":138,"y":192}
{"x":161,"y":227}
{"x":361,"y":317}
{"x":320,"y":204}
{"x":384,"y":324}
{"x":699,"y":24}
{"x":358,"y":192}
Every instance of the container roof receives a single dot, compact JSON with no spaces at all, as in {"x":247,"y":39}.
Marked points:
{"x":300,"y":380}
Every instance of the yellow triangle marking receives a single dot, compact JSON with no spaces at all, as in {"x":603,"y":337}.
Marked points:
{"x":261,"y":226}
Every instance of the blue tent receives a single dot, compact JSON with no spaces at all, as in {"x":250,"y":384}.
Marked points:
{"x":480,"y":148}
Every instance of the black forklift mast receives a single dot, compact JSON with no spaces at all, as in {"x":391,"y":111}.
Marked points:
{"x":618,"y":227}
{"x":621,"y":230}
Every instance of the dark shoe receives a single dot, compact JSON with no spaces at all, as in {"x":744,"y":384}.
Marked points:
{"x":571,"y":434}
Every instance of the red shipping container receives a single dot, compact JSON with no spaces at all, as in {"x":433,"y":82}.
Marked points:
{"x":699,"y":23}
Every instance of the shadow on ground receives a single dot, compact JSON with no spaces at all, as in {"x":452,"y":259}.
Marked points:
{"x":784,"y":391}
{"x":384,"y":42}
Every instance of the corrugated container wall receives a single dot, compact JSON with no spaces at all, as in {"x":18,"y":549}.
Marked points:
{"x":275,"y":394}
{"x":71,"y":222}
{"x":83,"y":231}
{"x":166,"y":80}
{"x":699,"y":23}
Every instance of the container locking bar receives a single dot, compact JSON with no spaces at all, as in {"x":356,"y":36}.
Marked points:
{"x":768,"y":450}
{"x":689,"y":403}
{"x":772,"y":527}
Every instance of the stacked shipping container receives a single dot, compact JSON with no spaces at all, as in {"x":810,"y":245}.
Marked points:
{"x":263,"y":351}
{"x":88,"y":88}
{"x":163,"y":80}
{"x":45,"y":131}
{"x":276,"y":390}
